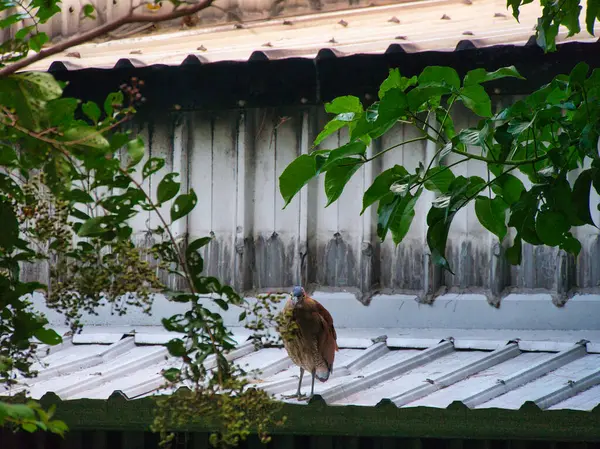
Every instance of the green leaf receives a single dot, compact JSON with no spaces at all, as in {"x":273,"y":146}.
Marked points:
{"x":23,"y":32}
{"x":79,"y":196}
{"x":167,"y":188}
{"x":551,"y":227}
{"x":152,"y":166}
{"x":392,"y":107}
{"x":29,"y":427}
{"x":93,"y":227}
{"x":522,"y":217}
{"x":350,"y":149}
{"x":491,"y":213}
{"x":10,"y":227}
{"x":172,"y":374}
{"x":581,"y":196}
{"x":297,"y":174}
{"x":331,"y":127}
{"x":242,"y":316}
{"x":396,"y":81}
{"x":571,"y":17}
{"x":516,"y":127}
{"x":198,"y":243}
{"x":61,"y":111}
{"x":437,"y":236}
{"x":440,"y":75}
{"x":92,"y":111}
{"x":136,"y":150}
{"x":28,"y":93}
{"x":46,"y":9}
{"x":86,"y":136}
{"x":88,"y":11}
{"x":176,"y":347}
{"x":118,"y":140}
{"x":182,"y":297}
{"x":48,"y":336}
{"x":79,"y":214}
{"x":477,"y":100}
{"x":183,"y":205}
{"x":425,"y":97}
{"x":513,"y":254}
{"x":512,"y":187}
{"x":397,"y":216}
{"x":37,"y":41}
{"x":345,"y":104}
{"x":546,"y":34}
{"x":12,"y":19}
{"x":113,"y":100}
{"x":222,"y":304}
{"x":571,"y":245}
{"x":438,"y":179}
{"x":19,"y":411}
{"x":579,"y":74}
{"x":478,"y":76}
{"x":338,"y":176}
{"x":8,"y":156}
{"x":592,"y":12}
{"x":381,"y":185}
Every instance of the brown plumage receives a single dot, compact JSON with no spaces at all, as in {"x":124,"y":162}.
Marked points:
{"x":309,"y":337}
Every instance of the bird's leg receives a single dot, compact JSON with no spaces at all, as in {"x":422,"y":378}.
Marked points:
{"x":298,"y":394}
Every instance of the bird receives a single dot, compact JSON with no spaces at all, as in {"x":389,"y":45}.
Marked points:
{"x":309,"y":337}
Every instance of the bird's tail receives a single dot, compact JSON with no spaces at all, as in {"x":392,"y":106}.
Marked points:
{"x":323,"y":372}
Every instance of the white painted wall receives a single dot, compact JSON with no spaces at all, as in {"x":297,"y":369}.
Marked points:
{"x":233,"y":160}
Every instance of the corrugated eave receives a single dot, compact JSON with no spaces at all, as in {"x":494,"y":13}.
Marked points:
{"x":413,"y":27}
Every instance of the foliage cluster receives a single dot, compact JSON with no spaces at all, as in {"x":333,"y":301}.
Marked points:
{"x":70,"y":186}
{"x":71,"y":181}
{"x":548,"y":138}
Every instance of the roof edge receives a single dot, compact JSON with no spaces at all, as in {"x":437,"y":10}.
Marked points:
{"x":456,"y":421}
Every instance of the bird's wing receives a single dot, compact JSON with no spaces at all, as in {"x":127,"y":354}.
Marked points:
{"x":327,"y":340}
{"x":327,"y":318}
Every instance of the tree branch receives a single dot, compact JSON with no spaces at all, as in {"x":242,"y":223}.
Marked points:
{"x":101,"y":30}
{"x":515,"y":162}
{"x":381,"y":153}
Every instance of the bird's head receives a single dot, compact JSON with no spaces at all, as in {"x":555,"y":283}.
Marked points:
{"x":298,"y":294}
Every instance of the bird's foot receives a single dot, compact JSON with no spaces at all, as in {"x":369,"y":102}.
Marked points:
{"x":300,"y":397}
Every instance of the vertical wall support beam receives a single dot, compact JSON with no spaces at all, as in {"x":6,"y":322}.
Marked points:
{"x":180,"y":165}
{"x":497,"y":281}
{"x":241,"y":262}
{"x":432,"y":274}
{"x":301,"y":275}
{"x":496,"y":272}
{"x":563,"y":279}
{"x":366,"y":249}
{"x":178,"y":152}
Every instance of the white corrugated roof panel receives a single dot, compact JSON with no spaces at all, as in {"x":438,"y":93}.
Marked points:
{"x":436,"y":376}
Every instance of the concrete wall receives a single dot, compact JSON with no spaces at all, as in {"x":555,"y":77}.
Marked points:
{"x":233,"y":159}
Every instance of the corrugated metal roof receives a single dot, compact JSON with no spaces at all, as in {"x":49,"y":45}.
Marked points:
{"x":413,"y":367}
{"x":439,"y":25}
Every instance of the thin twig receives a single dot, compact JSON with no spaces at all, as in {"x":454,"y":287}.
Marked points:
{"x":490,"y":161}
{"x":443,"y":169}
{"x":416,"y":139}
{"x":131,"y":17}
{"x":182,"y":260}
